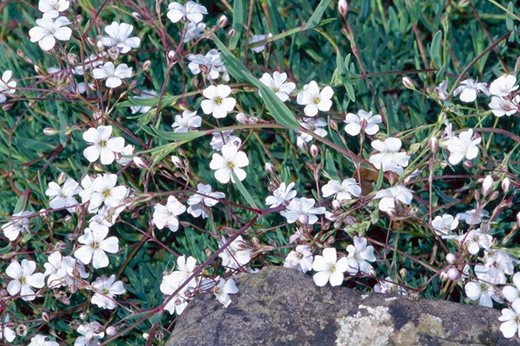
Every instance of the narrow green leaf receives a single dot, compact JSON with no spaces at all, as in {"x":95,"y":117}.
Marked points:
{"x":510,"y":24}
{"x":279,"y":110}
{"x":243,"y":191}
{"x":239,"y":14}
{"x":172,"y":136}
{"x":380,"y":177}
{"x":317,"y":15}
{"x":435,"y":49}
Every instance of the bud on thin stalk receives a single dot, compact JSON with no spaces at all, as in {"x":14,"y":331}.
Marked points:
{"x":408,"y":83}
{"x":487,"y":185}
{"x":506,"y":184}
{"x":343,"y":8}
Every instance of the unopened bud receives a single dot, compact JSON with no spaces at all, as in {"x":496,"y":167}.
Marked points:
{"x":333,"y":124}
{"x":270,"y":168}
{"x":146,"y":65}
{"x":231,"y":33}
{"x":450,"y":258}
{"x":343,"y":8}
{"x":97,"y":115}
{"x":136,"y":15}
{"x":487,"y":185}
{"x":336,"y":204}
{"x":45,"y":317}
{"x":49,"y":131}
{"x":176,"y":161}
{"x":300,"y":143}
{"x":408,"y":83}
{"x":242,"y":118}
{"x":468,"y":164}
{"x":434,"y":145}
{"x":518,"y":219}
{"x":222,"y":21}
{"x":139,"y":162}
{"x":453,"y":274}
{"x":304,"y":219}
{"x":61,"y":178}
{"x":314,"y":151}
{"x":171,"y":54}
{"x":111,"y":331}
{"x":506,"y":184}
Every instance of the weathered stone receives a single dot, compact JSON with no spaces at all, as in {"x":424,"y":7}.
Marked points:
{"x":280,"y":306}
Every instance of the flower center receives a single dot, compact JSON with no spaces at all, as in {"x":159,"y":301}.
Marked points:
{"x":102,"y":144}
{"x":218,"y":100}
{"x":22,"y":280}
{"x":332,"y":268}
{"x":316,"y":100}
{"x":230,"y":165}
{"x":106,"y":193}
{"x":94,"y":245}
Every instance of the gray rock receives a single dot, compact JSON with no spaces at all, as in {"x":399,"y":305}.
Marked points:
{"x":280,"y":306}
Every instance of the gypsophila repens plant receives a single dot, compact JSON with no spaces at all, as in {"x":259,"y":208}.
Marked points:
{"x":152,"y":150}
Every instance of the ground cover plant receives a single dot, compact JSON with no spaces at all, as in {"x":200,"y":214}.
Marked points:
{"x":151,"y":150}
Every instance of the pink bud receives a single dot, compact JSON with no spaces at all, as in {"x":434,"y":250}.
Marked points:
{"x":222,"y":21}
{"x":314,"y":151}
{"x":487,"y":185}
{"x":343,"y":8}
{"x":450,"y":258}
{"x":408,"y":83}
{"x":453,"y":274}
{"x":506,"y":184}
{"x":304,"y":219}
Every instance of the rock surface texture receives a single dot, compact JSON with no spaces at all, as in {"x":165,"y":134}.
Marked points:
{"x":280,"y":306}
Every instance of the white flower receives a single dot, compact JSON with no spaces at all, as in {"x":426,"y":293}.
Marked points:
{"x":90,"y":333}
{"x":359,"y":255}
{"x":389,"y":156}
{"x":389,"y":286}
{"x":194,"y":31}
{"x":500,"y":107}
{"x":510,"y":320}
{"x":105,"y":289}
{"x":362,"y":121}
{"x":173,"y":281}
{"x":18,"y":224}
{"x":463,"y":146}
{"x":341,"y":190}
{"x":63,"y":196}
{"x":102,"y":190}
{"x":316,"y":125}
{"x":469,"y":89}
{"x":41,"y":340}
{"x":503,"y":85}
{"x":102,"y":146}
{"x":282,"y":195}
{"x":204,"y":198}
{"x":145,"y":94}
{"x":6,"y":332}
{"x":443,"y":225}
{"x":7,"y":86}
{"x":95,"y":246}
{"x":24,"y":279}
{"x":223,"y":289}
{"x":187,"y":121}
{"x":190,"y":11}
{"x":48,"y":30}
{"x":230,"y":161}
{"x":302,"y":209}
{"x":497,"y":264}
{"x":258,"y":38}
{"x":442,"y":90}
{"x":211,"y":65}
{"x":475,"y":240}
{"x":119,"y":36}
{"x":512,"y":292}
{"x":471,"y":217}
{"x":219,"y":139}
{"x":300,"y":258}
{"x":389,"y":196}
{"x":63,"y":271}
{"x":314,"y":100}
{"x":278,"y":84}
{"x":481,"y":292}
{"x":166,"y":215}
{"x":114,"y":75}
{"x":52,"y":8}
{"x":328,"y":268}
{"x":236,"y":255}
{"x":126,"y":156}
{"x":218,"y":103}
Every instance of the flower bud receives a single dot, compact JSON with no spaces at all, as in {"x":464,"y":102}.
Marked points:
{"x":304,"y":219}
{"x":336,"y":204}
{"x":146,"y":65}
{"x":434,"y":145}
{"x":61,"y":178}
{"x":314,"y":151}
{"x":518,"y":218}
{"x":176,"y":161}
{"x":49,"y":131}
{"x":231,"y":33}
{"x":408,"y":83}
{"x":139,"y":162}
{"x":270,"y":168}
{"x":343,"y":8}
{"x":333,"y":124}
{"x":300,"y":143}
{"x":136,"y":15}
{"x":453,"y":274}
{"x":468,"y":164}
{"x":111,"y":331}
{"x":45,"y":317}
{"x":171,"y":54}
{"x":242,"y":118}
{"x":487,"y":185}
{"x":222,"y":21}
{"x":506,"y":184}
{"x":450,"y":258}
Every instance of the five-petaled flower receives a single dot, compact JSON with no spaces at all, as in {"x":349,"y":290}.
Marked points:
{"x":114,"y":75}
{"x":362,"y":121}
{"x":190,"y":11}
{"x":102,"y":145}
{"x":48,"y":30}
{"x":24,"y":279}
{"x":229,"y":164}
{"x":302,"y":210}
{"x":166,"y":215}
{"x":278,"y":84}
{"x":119,"y":36}
{"x":315,"y":100}
{"x":217,"y":101}
{"x":328,"y":268}
{"x":463,"y":146}
{"x":95,"y":246}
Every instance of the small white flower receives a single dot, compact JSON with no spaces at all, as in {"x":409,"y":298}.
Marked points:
{"x":53,"y":8}
{"x":223,"y":289}
{"x":482,"y":292}
{"x":7,"y":86}
{"x":194,"y":31}
{"x":230,"y":161}
{"x":219,"y":139}
{"x":96,"y":245}
{"x":105,"y":289}
{"x":218,"y":103}
{"x":24,"y":279}
{"x":187,"y":121}
{"x":6,"y":330}
{"x":236,"y":255}
{"x":389,"y":156}
{"x":114,"y":75}
{"x":497,"y":266}
{"x":145,"y":94}
{"x":210,"y":65}
{"x":387,"y":286}
{"x":500,"y":106}
{"x":258,"y":38}
{"x":362,"y":121}
{"x":102,"y":145}
{"x":63,"y":271}
{"x":512,"y":292}
{"x":469,"y":89}
{"x":302,"y":210}
{"x":190,"y":11}
{"x":465,"y":146}
{"x":358,"y":257}
{"x":204,"y":198}
{"x":48,"y":30}
{"x":476,"y":240}
{"x":389,"y":196}
{"x":119,"y":36}
{"x":341,"y":190}
{"x":18,"y":224}
{"x":314,"y":100}
{"x":63,"y":196}
{"x":166,"y":215}
{"x":471,"y":217}
{"x":173,"y":281}
{"x":278,"y":84}
{"x":443,"y":225}
{"x":329,"y":268}
{"x":126,"y":156}
{"x":510,"y":320}
{"x":90,"y":333}
{"x":282,"y":195}
{"x":102,"y":190}
{"x":503,"y":85}
{"x":316,"y":125}
{"x":300,"y":258}
{"x":442,"y":90}
{"x":41,"y":340}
